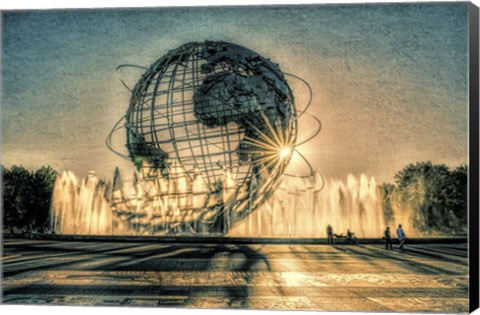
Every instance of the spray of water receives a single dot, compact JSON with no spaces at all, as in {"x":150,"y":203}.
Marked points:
{"x":304,"y":208}
{"x":299,"y":207}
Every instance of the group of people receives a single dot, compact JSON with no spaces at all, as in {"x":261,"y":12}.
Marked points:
{"x":350,"y":236}
{"x":387,"y":237}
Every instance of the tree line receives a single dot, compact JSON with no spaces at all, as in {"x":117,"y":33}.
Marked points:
{"x":435,"y":195}
{"x":26,"y":198}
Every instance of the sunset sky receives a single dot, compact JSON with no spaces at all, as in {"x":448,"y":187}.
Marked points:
{"x":390,"y":81}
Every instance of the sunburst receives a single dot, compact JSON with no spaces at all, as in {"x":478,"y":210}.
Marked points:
{"x":271,"y":151}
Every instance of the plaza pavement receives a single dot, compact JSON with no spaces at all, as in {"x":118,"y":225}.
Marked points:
{"x":422,"y":278}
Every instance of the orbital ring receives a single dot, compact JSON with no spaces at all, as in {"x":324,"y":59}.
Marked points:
{"x":307,"y":163}
{"x":119,"y":76}
{"x":319,"y":128}
{"x":301,"y":112}
{"x":310,"y":92}
{"x":323,"y":182}
{"x":108,"y":140}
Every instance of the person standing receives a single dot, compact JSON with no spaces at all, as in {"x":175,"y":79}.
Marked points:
{"x":401,"y":236}
{"x":388,"y":239}
{"x":329,"y":235}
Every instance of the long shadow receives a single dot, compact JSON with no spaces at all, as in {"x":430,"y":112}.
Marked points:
{"x":396,"y":258}
{"x":426,"y":252}
{"x":27,"y":251}
{"x":67,"y":247}
{"x":95,"y":255}
{"x":90,"y":250}
{"x":196,"y":251}
{"x":240,"y":260}
{"x":120,"y":250}
{"x":443,"y":255}
{"x":461,"y":253}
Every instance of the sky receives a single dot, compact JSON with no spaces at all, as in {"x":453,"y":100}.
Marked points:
{"x":390,"y":82}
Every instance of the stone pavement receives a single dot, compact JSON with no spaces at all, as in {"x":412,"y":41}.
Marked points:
{"x":422,"y":278}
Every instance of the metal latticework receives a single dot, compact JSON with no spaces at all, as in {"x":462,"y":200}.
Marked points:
{"x":216,"y":110}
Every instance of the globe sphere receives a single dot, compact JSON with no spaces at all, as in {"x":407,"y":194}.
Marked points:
{"x":221,"y":112}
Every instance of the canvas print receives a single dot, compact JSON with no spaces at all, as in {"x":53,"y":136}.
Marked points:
{"x":298,"y":157}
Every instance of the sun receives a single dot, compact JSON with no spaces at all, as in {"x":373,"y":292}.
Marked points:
{"x":284,"y":153}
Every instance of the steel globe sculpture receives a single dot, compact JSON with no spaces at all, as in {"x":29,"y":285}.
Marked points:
{"x":210,"y":117}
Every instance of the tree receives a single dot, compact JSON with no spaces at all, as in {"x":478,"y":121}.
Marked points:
{"x":386,"y":191}
{"x":27,"y":196}
{"x":460,"y":194}
{"x":437,"y":195}
{"x":42,"y":183}
{"x":16,"y":182}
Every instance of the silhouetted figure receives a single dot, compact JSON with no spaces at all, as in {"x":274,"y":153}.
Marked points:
{"x":329,"y":235}
{"x":351,"y":239}
{"x":401,"y":236}
{"x":24,"y":231}
{"x":388,"y":239}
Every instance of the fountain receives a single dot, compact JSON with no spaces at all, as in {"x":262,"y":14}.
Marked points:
{"x":153,"y":205}
{"x":304,"y":208}
{"x":81,"y":209}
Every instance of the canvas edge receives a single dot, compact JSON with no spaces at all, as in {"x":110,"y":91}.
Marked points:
{"x":473,"y":229}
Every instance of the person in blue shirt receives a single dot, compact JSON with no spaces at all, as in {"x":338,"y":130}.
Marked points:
{"x":401,"y":236}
